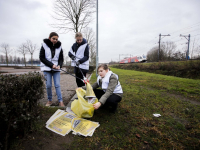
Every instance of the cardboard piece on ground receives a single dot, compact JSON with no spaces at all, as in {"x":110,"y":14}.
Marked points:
{"x":84,"y":127}
{"x":59,"y":111}
{"x":61,"y":124}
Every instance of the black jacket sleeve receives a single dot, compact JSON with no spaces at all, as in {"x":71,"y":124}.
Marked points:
{"x":43,"y":59}
{"x":70,"y":54}
{"x":60,"y":59}
{"x":86,"y":55}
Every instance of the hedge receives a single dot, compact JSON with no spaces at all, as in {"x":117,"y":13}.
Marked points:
{"x":184,"y":69}
{"x":19,"y":95}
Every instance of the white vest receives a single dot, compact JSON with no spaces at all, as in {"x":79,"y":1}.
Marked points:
{"x":48,"y":56}
{"x":79,"y":55}
{"x":106,"y":80}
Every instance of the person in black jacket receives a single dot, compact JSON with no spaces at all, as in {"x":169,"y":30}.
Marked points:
{"x":51,"y":57}
{"x":79,"y":53}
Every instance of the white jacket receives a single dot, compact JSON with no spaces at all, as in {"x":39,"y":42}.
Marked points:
{"x":48,"y":56}
{"x":79,"y":55}
{"x":106,"y":80}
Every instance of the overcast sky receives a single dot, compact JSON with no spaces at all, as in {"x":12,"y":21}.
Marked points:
{"x":125,"y":26}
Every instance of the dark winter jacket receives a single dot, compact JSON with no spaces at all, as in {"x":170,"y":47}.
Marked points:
{"x":52,"y":47}
{"x":75,"y":47}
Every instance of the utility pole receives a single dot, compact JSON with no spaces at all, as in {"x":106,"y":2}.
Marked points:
{"x":97,"y":56}
{"x":187,"y":53}
{"x":159,"y":45}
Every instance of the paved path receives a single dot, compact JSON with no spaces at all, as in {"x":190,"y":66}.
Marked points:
{"x":68,"y":87}
{"x":10,"y":70}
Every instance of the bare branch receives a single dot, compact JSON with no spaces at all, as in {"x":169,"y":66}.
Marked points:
{"x":73,"y":15}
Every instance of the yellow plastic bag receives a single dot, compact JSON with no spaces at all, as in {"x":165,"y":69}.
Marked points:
{"x":81,"y":107}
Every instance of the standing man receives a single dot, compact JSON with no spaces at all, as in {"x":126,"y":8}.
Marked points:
{"x":79,"y":53}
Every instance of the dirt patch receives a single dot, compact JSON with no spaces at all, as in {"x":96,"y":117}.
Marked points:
{"x":51,"y":142}
{"x":177,"y":96}
{"x":44,"y":139}
{"x":184,"y":98}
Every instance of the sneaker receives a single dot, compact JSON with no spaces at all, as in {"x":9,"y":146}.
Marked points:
{"x":49,"y":103}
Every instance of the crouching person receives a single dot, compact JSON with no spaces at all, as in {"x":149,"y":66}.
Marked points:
{"x":111,"y":92}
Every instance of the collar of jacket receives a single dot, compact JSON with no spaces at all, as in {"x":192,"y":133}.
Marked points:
{"x":50,"y":44}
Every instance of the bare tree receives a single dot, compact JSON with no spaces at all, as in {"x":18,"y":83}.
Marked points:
{"x":1,"y":59}
{"x":168,"y":48}
{"x":166,"y":53}
{"x":152,"y":54}
{"x":31,"y":48}
{"x":22,"y":50}
{"x":89,"y":35}
{"x":6,"y":50}
{"x":73,"y":15}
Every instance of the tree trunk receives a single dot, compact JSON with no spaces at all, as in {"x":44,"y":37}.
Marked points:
{"x":31,"y":59}
{"x":24,"y":60}
{"x":7,"y":58}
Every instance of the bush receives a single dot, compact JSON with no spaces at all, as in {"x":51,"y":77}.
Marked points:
{"x":19,"y":95}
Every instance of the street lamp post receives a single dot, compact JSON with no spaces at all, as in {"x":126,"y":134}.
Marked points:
{"x":97,"y":56}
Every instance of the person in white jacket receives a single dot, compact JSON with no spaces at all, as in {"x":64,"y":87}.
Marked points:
{"x":111,"y":91}
{"x":51,"y":57}
{"x":79,"y":53}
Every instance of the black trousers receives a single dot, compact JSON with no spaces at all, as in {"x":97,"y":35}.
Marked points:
{"x":79,"y":74}
{"x":112,"y":101}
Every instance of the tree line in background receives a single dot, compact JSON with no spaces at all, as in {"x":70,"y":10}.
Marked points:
{"x":25,"y":48}
{"x":168,"y":52}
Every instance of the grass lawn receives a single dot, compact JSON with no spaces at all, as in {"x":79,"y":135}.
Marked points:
{"x":133,"y":126}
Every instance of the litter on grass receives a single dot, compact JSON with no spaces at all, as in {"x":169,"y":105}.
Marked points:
{"x":156,"y":115}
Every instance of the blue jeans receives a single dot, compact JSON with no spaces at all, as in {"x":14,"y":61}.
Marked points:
{"x":56,"y":77}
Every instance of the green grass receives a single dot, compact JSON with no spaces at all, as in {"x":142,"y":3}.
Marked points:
{"x":185,"y":69}
{"x":134,"y":127}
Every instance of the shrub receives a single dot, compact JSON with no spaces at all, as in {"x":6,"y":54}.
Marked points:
{"x":19,"y":95}
{"x":185,"y":69}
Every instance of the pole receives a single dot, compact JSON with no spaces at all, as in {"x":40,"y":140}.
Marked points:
{"x":159,"y":47}
{"x":97,"y":56}
{"x":188,"y":39}
{"x":188,"y":46}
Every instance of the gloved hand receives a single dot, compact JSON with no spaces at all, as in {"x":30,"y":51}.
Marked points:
{"x":73,"y":57}
{"x":86,"y":80}
{"x":77,"y":63}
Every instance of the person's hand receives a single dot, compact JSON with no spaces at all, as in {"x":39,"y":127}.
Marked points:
{"x":54,"y":67}
{"x":58,"y":67}
{"x":73,"y":57}
{"x":97,"y":105}
{"x":77,"y":63}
